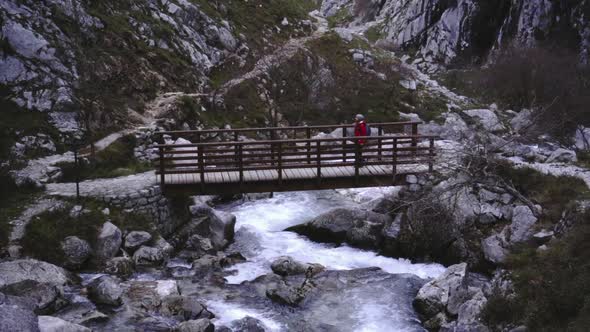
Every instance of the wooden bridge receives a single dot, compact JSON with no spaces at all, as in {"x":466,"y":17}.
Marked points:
{"x":231,"y":161}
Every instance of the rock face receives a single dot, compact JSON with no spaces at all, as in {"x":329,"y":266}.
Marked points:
{"x":214,"y":225}
{"x":54,"y":324}
{"x":445,"y":30}
{"x":29,"y":269}
{"x":454,"y":294}
{"x":76,"y":251}
{"x":119,"y":266}
{"x":487,"y":119}
{"x":105,"y":290}
{"x":108,"y":241}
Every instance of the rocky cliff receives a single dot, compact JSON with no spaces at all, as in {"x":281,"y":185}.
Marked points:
{"x":443,"y":32}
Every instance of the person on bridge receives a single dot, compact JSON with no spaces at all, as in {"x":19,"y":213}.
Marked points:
{"x":360,"y":128}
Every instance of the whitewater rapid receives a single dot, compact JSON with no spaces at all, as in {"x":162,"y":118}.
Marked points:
{"x":261,"y":238}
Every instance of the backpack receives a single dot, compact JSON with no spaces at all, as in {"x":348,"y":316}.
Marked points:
{"x":368,"y":129}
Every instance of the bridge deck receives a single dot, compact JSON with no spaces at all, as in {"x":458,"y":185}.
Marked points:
{"x":288,"y":174}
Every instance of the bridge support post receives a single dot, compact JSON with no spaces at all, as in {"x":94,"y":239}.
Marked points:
{"x":394,"y":159}
{"x":414,"y":139}
{"x":308,"y":135}
{"x":344,"y":134}
{"x":431,"y":155}
{"x":201,"y":167}
{"x":380,"y":144}
{"x":241,"y":166}
{"x":318,"y":163}
{"x":280,"y":164}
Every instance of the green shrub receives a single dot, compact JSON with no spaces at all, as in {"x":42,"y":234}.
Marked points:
{"x":554,"y":193}
{"x":554,"y":286}
{"x":47,"y":230}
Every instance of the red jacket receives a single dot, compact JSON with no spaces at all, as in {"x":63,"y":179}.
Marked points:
{"x":360,"y":129}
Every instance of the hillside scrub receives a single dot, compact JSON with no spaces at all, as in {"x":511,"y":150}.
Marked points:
{"x":550,"y":81}
{"x":552,"y":287}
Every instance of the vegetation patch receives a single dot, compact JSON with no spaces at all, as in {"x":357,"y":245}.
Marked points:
{"x":47,"y":230}
{"x":342,"y":17}
{"x":117,"y":159}
{"x":552,"y":286}
{"x":554,"y":193}
{"x":375,"y":33}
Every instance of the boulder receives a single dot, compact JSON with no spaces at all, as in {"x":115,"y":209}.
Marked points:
{"x":184,"y":308}
{"x":15,"y":318}
{"x":81,"y":313}
{"x":29,"y":269}
{"x":543,"y":236}
{"x":359,"y":227}
{"x":487,"y":119}
{"x":108,"y":242}
{"x":523,"y":219}
{"x":76,"y":251}
{"x":522,"y":120}
{"x":46,"y":298}
{"x":217,"y":226}
{"x":119,"y":266}
{"x":563,"y":156}
{"x":199,"y":325}
{"x":433,"y":297}
{"x":149,"y":256}
{"x":105,"y":290}
{"x":286,"y":266}
{"x":248,"y":324}
{"x":136,"y":239}
{"x":54,"y":324}
{"x":582,"y":138}
{"x":493,"y":249}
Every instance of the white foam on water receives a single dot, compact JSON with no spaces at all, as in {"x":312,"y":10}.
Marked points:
{"x":264,"y":220}
{"x":226,"y":312}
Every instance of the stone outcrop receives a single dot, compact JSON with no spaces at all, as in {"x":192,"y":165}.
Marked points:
{"x":108,"y":242}
{"x":105,"y":290}
{"x":453,"y":301}
{"x":76,"y":251}
{"x":12,"y":272}
{"x":55,"y":324}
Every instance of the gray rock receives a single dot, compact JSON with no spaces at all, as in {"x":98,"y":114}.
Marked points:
{"x":488,"y":119}
{"x":522,"y":120}
{"x":358,"y":227}
{"x":184,"y":307}
{"x":108,"y":242}
{"x":46,"y":298}
{"x":412,"y":179}
{"x":433,"y":297}
{"x":543,"y":236}
{"x":15,"y":318}
{"x":81,"y":313}
{"x":248,"y":324}
{"x":119,"y":266}
{"x":148,"y":256}
{"x":136,"y":239}
{"x":215,"y":225}
{"x":54,"y":324}
{"x":286,"y":266}
{"x":105,"y":290}
{"x":562,"y":155}
{"x":199,"y":325}
{"x":29,"y":269}
{"x":493,"y":249}
{"x":76,"y":251}
{"x":523,"y":220}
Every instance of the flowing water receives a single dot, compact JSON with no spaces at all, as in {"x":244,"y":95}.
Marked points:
{"x":261,"y":238}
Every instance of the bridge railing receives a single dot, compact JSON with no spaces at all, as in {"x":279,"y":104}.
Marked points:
{"x":293,"y":132}
{"x":278,"y":156}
